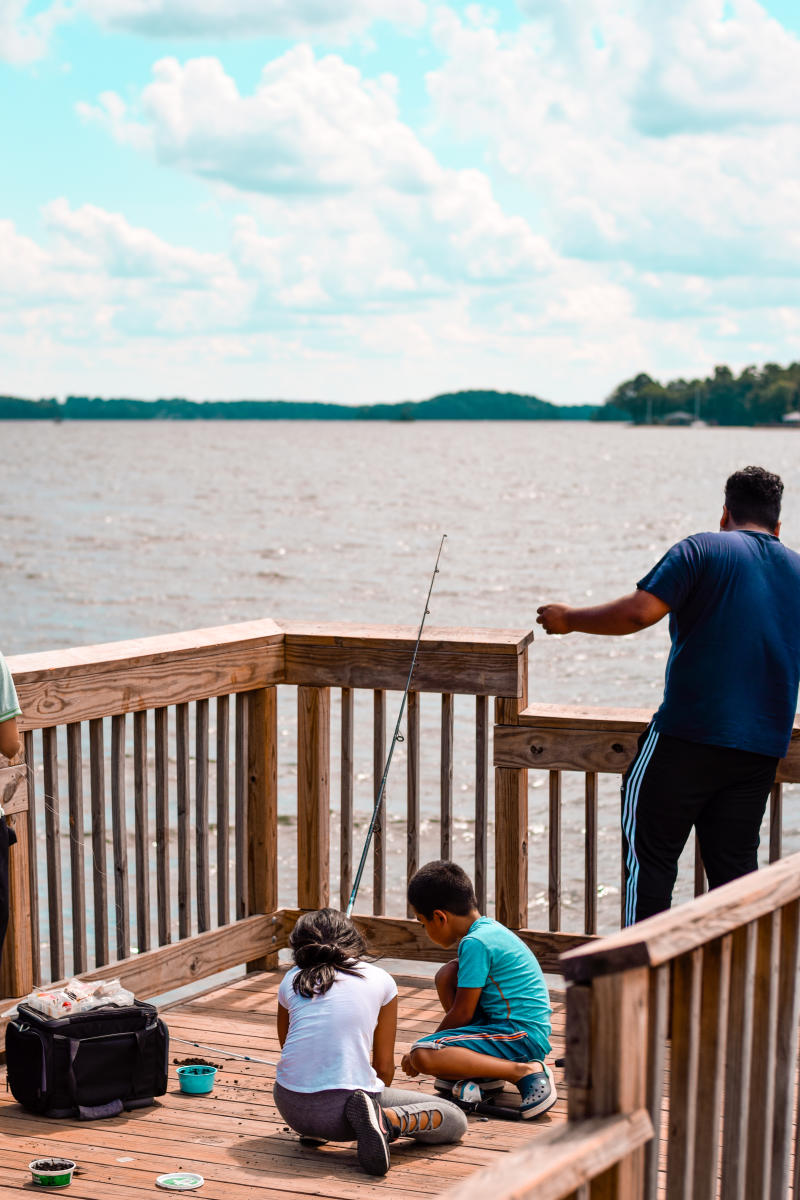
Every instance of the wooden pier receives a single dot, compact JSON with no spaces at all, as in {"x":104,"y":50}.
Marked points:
{"x":680,"y":1035}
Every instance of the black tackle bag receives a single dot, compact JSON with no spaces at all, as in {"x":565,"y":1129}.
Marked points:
{"x":88,"y":1065}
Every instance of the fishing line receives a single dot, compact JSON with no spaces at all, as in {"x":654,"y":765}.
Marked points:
{"x":227,"y":1053}
{"x":396,"y":737}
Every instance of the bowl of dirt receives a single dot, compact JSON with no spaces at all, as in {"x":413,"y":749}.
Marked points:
{"x":52,"y":1172}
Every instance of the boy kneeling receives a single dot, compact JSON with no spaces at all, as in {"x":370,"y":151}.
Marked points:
{"x":497,"y":1008}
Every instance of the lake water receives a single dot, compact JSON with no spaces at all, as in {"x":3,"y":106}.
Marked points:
{"x":117,"y":530}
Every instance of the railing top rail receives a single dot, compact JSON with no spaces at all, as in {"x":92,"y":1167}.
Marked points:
{"x":85,"y":682}
{"x":582,"y":716}
{"x":681,"y":930}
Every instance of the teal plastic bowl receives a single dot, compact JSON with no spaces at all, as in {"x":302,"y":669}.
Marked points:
{"x":196,"y":1080}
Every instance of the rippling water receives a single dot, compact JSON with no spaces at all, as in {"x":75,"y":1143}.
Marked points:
{"x":117,"y":530}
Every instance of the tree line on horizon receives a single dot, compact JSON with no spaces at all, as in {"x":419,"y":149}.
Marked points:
{"x":754,"y":397}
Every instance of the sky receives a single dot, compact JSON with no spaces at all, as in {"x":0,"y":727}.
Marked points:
{"x":376,"y":200}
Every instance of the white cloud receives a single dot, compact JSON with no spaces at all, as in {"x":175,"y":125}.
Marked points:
{"x":24,"y":35}
{"x":661,"y":135}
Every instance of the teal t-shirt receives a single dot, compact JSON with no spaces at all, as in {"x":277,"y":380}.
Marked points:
{"x":493,"y":958}
{"x":9,"y":705}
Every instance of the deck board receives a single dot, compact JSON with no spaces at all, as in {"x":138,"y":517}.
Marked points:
{"x":234,"y":1137}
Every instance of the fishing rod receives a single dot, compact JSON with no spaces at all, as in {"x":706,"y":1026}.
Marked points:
{"x":396,"y":737}
{"x":218,"y":1050}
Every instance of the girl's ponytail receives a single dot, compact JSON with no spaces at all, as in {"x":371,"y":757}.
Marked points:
{"x":323,"y":943}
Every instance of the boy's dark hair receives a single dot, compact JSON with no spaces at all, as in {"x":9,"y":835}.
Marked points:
{"x":323,"y":943}
{"x":754,"y":496}
{"x":443,"y":885}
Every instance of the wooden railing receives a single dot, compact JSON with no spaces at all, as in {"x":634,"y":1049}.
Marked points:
{"x":595,"y":742}
{"x":168,"y":748}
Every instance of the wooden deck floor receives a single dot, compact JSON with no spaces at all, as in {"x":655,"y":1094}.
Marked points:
{"x":234,"y":1137}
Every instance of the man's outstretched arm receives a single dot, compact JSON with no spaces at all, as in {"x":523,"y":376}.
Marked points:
{"x":629,"y":614}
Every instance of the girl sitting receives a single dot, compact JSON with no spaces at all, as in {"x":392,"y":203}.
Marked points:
{"x":337,"y":1018}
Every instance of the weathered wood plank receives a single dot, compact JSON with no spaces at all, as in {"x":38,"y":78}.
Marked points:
{"x":560,"y":1161}
{"x":76,"y":847}
{"x":446,"y":778}
{"x":786,"y":1049}
{"x":412,"y":789}
{"x":13,"y":792}
{"x":183,"y":817}
{"x":201,"y":853}
{"x":378,"y":763}
{"x":578,"y":1042}
{"x":590,"y":854}
{"x":262,"y":808}
{"x":163,"y":903}
{"x":738,"y":1064}
{"x":97,"y":786}
{"x":761,"y":1122}
{"x":657,"y":1032}
{"x":449,"y":660}
{"x":119,"y":835}
{"x":223,"y":809}
{"x":56,"y":687}
{"x":557,"y":750}
{"x":711,"y":1065}
{"x":17,"y":968}
{"x":687,"y":976}
{"x":481,"y":797}
{"x":30,"y":847}
{"x":313,"y":796}
{"x":775,"y":821}
{"x":346,"y":799}
{"x":53,"y":853}
{"x":554,"y":851}
{"x":706,"y":918}
{"x":240,"y":804}
{"x":142,"y":834}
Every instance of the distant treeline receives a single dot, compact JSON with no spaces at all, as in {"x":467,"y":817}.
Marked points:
{"x":454,"y":406}
{"x":756,"y":397}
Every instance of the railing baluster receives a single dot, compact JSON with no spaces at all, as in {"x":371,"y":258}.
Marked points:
{"x":711,"y":1066}
{"x":240,"y":800}
{"x":262,"y":810}
{"x":786,"y":1049}
{"x":700,"y":884}
{"x":162,"y":827}
{"x":760,"y":1125}
{"x":201,"y":815}
{"x":687,"y":975}
{"x":590,"y":854}
{"x":378,"y":762}
{"x":412,"y":789}
{"x":658,"y":1027}
{"x":738,"y":1064}
{"x":142,"y":827}
{"x":97,"y":784}
{"x":223,"y":810}
{"x":76,"y":847}
{"x":33,"y":865}
{"x":184,"y":817}
{"x":446,"y":779}
{"x":346,"y":829}
{"x":313,"y":796}
{"x":481,"y":796}
{"x":53,"y":834}
{"x":120,"y":837}
{"x":775,"y":822}
{"x":554,"y":872}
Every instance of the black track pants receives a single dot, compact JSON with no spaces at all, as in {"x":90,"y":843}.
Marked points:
{"x":672,"y":785}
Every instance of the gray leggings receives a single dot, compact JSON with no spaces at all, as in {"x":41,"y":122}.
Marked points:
{"x":321,"y":1114}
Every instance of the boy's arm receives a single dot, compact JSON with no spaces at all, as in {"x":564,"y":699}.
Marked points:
{"x":463,"y":1009}
{"x":629,"y":614}
{"x":283,"y":1024}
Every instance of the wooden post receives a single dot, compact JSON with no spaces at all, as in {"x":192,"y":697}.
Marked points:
{"x":313,"y":796}
{"x":511,"y":820}
{"x":17,"y":971}
{"x":262,"y":811}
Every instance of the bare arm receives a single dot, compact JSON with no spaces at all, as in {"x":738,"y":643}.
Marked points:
{"x":629,"y":614}
{"x":283,"y":1024}
{"x":383,"y":1042}
{"x":9,"y":738}
{"x":463,"y":1009}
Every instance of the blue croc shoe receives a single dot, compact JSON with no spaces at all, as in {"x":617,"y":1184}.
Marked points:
{"x":538,"y":1092}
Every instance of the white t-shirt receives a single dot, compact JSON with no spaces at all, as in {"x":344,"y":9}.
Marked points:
{"x":330,"y":1036}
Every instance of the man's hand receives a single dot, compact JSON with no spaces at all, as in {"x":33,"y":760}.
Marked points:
{"x":554,"y":618}
{"x":407,"y":1067}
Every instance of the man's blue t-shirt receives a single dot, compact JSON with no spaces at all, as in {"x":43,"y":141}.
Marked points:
{"x":733,"y":671}
{"x":514,"y":991}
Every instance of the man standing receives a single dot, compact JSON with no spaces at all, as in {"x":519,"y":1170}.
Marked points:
{"x":709,"y":755}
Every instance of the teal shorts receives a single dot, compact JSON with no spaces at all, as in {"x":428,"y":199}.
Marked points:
{"x":500,"y":1041}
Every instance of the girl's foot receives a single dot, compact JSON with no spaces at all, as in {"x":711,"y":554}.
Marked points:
{"x":372,"y":1132}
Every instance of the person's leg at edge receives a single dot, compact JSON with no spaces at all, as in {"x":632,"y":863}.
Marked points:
{"x":456,"y":1062}
{"x":446,"y":980}
{"x":729,"y":827}
{"x":662,"y":791}
{"x":425,"y":1118}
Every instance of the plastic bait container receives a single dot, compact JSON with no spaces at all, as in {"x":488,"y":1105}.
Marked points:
{"x":52,"y":1172}
{"x":196,"y":1080}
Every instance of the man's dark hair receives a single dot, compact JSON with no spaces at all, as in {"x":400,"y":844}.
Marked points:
{"x":753,"y":496}
{"x":443,"y":885}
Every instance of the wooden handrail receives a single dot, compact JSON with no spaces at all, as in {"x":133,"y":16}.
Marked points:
{"x":559,"y":1161}
{"x":679,"y":931}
